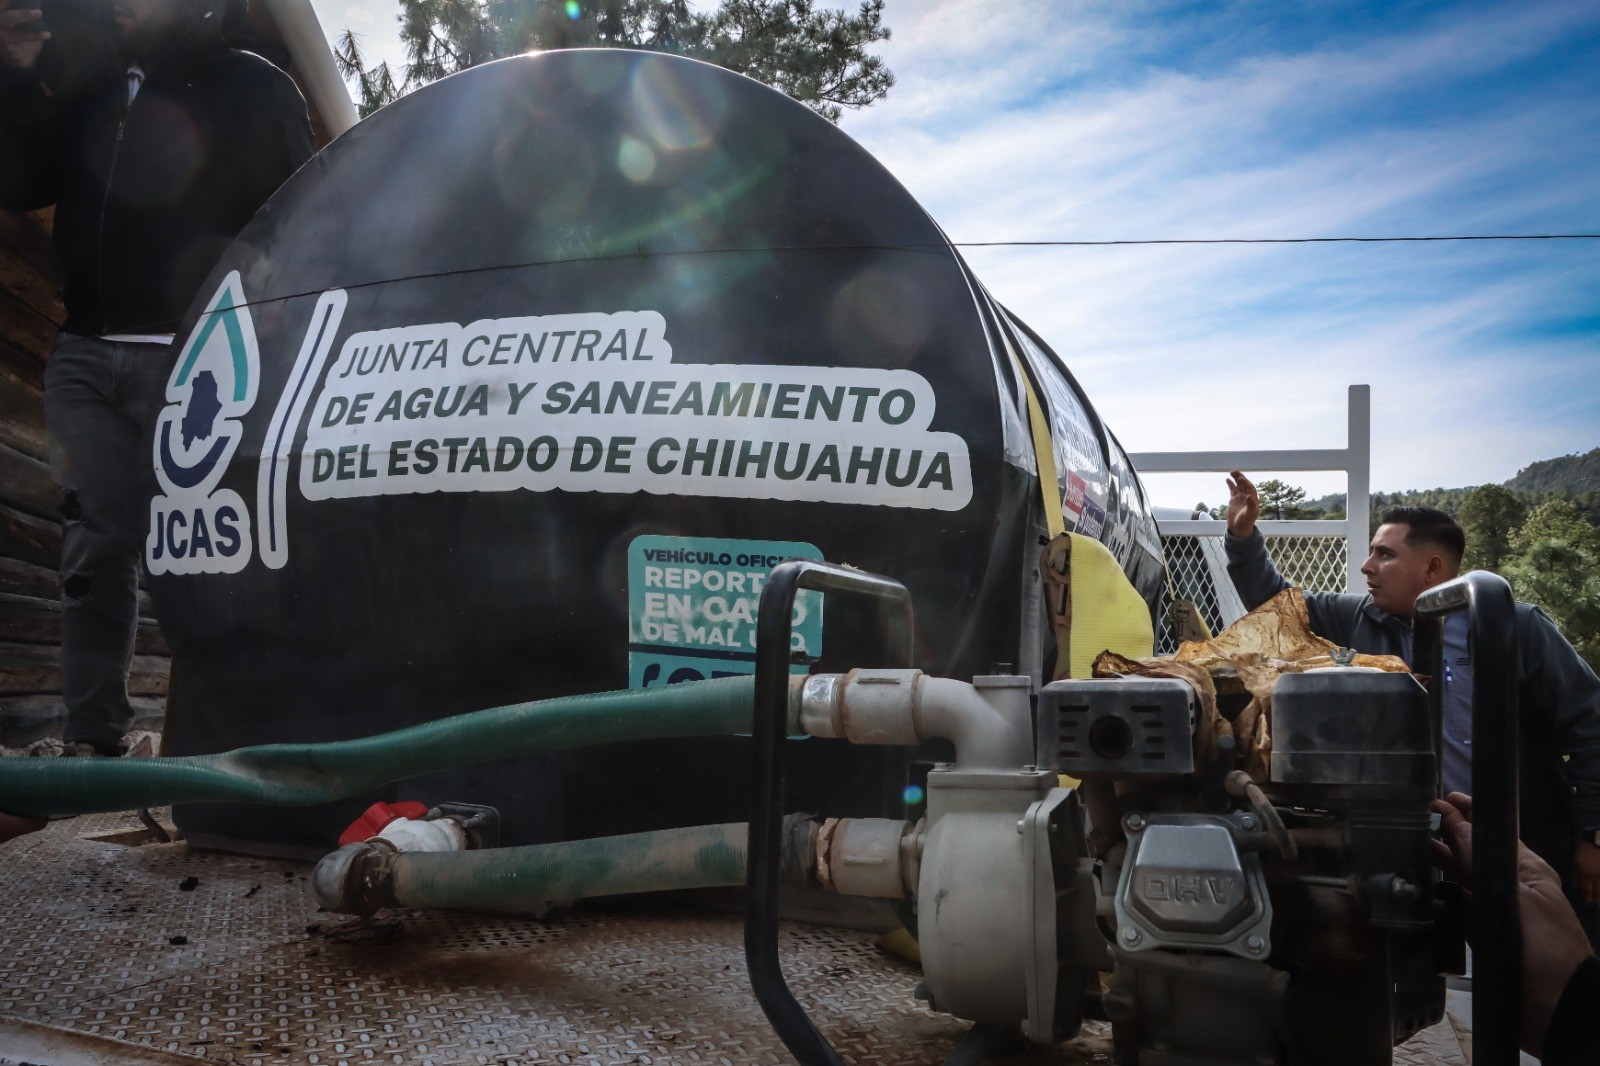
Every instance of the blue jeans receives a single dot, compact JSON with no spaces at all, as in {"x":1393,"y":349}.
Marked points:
{"x":100,"y":398}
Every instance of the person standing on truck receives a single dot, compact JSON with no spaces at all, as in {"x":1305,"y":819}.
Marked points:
{"x":156,"y":142}
{"x":1558,"y":694}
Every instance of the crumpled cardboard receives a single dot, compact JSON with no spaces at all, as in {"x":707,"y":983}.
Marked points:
{"x":1247,"y":657}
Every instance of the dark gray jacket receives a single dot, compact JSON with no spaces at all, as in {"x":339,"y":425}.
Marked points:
{"x":1558,"y":696}
{"x":147,"y":195}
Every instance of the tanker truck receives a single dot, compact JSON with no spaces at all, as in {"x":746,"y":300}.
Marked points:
{"x":625,"y":397}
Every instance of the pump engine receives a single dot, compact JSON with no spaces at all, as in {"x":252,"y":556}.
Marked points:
{"x":1296,"y":920}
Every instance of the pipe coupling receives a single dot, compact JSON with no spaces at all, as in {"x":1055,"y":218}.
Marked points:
{"x":359,"y":878}
{"x":356,"y":879}
{"x":874,"y":857}
{"x":863,"y":706}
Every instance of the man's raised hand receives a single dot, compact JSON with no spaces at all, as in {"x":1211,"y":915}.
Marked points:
{"x":1244,"y":507}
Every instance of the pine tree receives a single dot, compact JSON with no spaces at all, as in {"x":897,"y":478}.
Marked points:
{"x":1564,"y":579}
{"x":1490,"y":515}
{"x":818,"y":56}
{"x":1280,"y":500}
{"x":1558,"y":520}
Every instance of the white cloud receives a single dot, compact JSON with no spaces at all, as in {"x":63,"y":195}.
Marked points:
{"x":1252,"y":347}
{"x":1109,"y":119}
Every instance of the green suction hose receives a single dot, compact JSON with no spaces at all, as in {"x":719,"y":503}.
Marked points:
{"x":706,"y":856}
{"x":366,"y":877}
{"x":309,"y":774}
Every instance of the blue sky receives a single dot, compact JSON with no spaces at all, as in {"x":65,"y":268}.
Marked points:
{"x":1018,"y":120}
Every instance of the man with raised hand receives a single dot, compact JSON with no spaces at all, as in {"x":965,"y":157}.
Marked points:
{"x":1558,"y":694}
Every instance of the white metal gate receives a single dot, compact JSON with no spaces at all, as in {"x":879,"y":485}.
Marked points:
{"x":1317,"y":555}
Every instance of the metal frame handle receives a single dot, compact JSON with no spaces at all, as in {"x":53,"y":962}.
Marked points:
{"x":770,"y":730}
{"x":1497,"y":929}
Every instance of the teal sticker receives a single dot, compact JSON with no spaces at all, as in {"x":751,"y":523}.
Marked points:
{"x":692,"y":605}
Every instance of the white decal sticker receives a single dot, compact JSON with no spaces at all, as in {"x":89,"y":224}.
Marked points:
{"x":196,"y":528}
{"x":272,"y":477}
{"x":594,"y":403}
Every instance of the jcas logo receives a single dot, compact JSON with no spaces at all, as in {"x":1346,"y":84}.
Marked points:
{"x":196,"y":528}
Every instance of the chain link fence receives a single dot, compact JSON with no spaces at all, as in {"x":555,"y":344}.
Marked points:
{"x":1199,"y":570}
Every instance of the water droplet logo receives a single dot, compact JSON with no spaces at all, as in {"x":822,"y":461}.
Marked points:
{"x":196,"y":527}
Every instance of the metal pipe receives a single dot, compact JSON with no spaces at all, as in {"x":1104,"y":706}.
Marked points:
{"x":989,"y":730}
{"x":1358,"y":483}
{"x":1497,"y":948}
{"x":313,"y":61}
{"x":769,"y":728}
{"x":989,"y":722}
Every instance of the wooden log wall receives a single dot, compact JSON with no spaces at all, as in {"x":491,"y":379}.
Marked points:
{"x":30,"y":528}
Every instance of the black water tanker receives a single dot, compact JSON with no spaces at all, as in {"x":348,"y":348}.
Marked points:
{"x":518,"y":389}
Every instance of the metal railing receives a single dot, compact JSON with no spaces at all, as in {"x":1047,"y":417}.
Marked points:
{"x":1314,"y":562}
{"x":1318,"y":555}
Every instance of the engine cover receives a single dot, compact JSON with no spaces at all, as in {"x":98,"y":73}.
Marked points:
{"x":1130,"y":727}
{"x":1352,"y":727}
{"x":1185,"y":884}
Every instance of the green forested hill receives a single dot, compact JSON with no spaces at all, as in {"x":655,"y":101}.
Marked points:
{"x":1574,"y":476}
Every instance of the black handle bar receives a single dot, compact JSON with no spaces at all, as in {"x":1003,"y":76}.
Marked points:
{"x":1497,"y":931}
{"x":770,"y":729}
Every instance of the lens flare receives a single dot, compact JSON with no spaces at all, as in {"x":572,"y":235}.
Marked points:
{"x":574,"y":12}
{"x":635,"y":159}
{"x":676,"y":113}
{"x":882,"y":310}
{"x":913,"y":794}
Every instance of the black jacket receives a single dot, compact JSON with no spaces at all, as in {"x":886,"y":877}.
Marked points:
{"x":147,"y":196}
{"x":1558,"y":697}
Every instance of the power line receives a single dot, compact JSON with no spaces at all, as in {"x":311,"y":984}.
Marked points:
{"x":930,"y":246}
{"x":1283,"y":240}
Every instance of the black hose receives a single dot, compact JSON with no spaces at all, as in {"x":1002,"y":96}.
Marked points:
{"x":769,"y":730}
{"x":1497,"y":929}
{"x":1240,"y":785}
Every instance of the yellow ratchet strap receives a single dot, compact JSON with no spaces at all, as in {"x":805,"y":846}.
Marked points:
{"x":1044,"y":459}
{"x":1088,"y":591}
